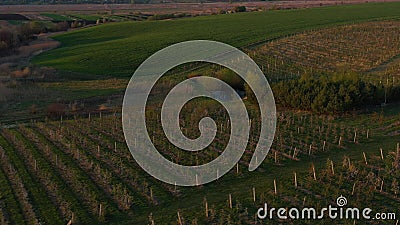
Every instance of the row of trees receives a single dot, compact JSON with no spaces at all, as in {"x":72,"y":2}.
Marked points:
{"x":326,"y":94}
{"x":12,"y":37}
{"x":332,"y":94}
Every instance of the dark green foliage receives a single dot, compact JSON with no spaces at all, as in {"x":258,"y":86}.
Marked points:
{"x":240,"y":8}
{"x":167,"y":16}
{"x":330,"y":94}
{"x":231,"y":78}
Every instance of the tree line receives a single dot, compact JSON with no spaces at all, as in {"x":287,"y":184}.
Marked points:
{"x":15,"y":36}
{"x":325,"y":94}
{"x":337,"y":93}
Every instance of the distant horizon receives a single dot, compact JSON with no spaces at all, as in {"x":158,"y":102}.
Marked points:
{"x":130,"y":2}
{"x":112,"y":2}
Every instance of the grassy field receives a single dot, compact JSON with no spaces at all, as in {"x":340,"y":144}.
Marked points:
{"x":56,"y":17}
{"x":117,"y":49}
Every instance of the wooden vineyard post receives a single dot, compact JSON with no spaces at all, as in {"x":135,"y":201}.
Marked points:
{"x":365,"y":158}
{"x":355,"y":136}
{"x":367,"y":133}
{"x":151,"y":194}
{"x":230,"y":201}
{"x":309,"y":151}
{"x":354,"y":187}
{"x":295,"y":179}
{"x":313,"y":169}
{"x":381,"y":153}
{"x":333,"y":170}
{"x":115,"y":146}
{"x":340,"y":142}
{"x":98,"y":150}
{"x":206,"y":207}
{"x":275,"y":156}
{"x":72,"y":218}
{"x":179,"y":219}
{"x":100,"y":211}
{"x":323,"y":147}
{"x":254,"y":194}
{"x":237,"y":168}
{"x":381,"y":186}
{"x":275,"y":191}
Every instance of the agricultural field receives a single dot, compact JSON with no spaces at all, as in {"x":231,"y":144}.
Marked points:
{"x":334,"y":49}
{"x":88,"y":50}
{"x":64,"y":157}
{"x":82,"y":168}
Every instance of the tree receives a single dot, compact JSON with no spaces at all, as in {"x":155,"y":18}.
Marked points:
{"x":240,"y":8}
{"x":231,"y":78}
{"x":56,"y":110}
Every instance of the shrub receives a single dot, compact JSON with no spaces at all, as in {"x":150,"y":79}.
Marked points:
{"x":231,"y":78}
{"x":329,"y":94}
{"x":56,"y":110}
{"x":240,"y":9}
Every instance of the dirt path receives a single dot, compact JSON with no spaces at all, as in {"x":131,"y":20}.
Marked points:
{"x":383,"y":66}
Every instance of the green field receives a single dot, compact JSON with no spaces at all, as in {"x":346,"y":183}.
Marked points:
{"x":117,"y":49}
{"x":57,"y":17}
{"x":86,"y":17}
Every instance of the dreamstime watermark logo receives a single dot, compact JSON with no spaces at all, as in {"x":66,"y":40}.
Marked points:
{"x":330,"y":212}
{"x":152,"y":69}
{"x":341,"y":201}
